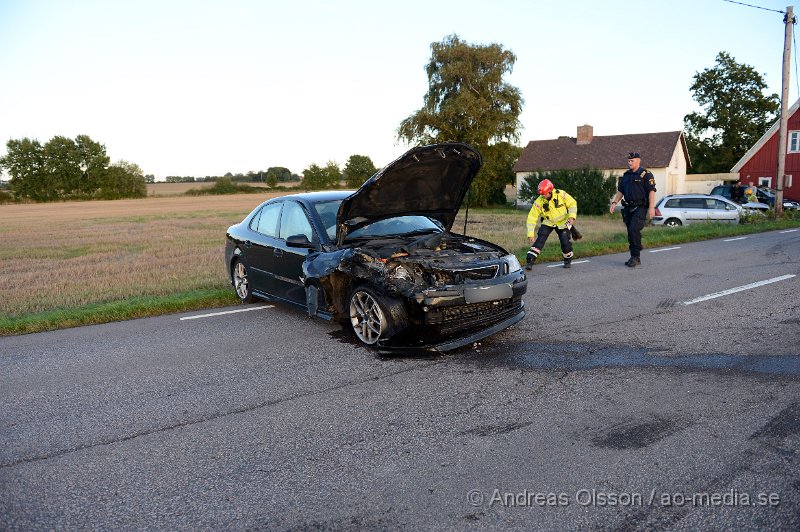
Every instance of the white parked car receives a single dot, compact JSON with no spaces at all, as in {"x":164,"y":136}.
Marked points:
{"x":682,"y":209}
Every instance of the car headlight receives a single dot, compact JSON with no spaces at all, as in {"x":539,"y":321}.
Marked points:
{"x":401,"y":272}
{"x":513,"y":263}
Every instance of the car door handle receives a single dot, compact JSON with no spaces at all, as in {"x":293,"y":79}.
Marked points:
{"x":278,"y":252}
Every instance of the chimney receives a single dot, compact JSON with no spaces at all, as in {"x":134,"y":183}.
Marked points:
{"x":585,"y":134}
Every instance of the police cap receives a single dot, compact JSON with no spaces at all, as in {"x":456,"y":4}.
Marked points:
{"x":634,"y":155}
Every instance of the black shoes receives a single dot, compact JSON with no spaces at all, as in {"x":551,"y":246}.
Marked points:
{"x":567,"y":264}
{"x":633,"y":261}
{"x":529,"y":260}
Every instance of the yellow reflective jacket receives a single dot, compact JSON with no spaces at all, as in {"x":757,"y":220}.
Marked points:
{"x":554,"y":213}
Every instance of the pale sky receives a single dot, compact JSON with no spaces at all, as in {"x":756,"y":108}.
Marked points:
{"x":207,"y":87}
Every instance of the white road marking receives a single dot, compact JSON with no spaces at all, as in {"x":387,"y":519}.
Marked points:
{"x":738,"y":289}
{"x":226,"y":312}
{"x":663,"y":249}
{"x":790,"y":231}
{"x":562,"y":265}
{"x":734,"y":239}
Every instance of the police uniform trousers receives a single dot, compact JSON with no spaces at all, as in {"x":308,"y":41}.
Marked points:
{"x":635,"y":219}
{"x":563,"y":236}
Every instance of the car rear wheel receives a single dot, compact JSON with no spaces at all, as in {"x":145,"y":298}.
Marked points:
{"x":374,"y":316}
{"x":241,"y":282}
{"x":673,"y":222}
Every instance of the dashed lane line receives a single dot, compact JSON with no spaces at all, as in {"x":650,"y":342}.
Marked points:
{"x":738,"y":289}
{"x":559,"y":265}
{"x":663,"y":249}
{"x":226,"y":312}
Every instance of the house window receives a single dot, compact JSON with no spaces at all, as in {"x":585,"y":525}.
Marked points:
{"x":765,"y":182}
{"x":794,"y":141}
{"x":787,"y":181}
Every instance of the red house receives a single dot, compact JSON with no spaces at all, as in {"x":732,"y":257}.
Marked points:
{"x":760,"y":164}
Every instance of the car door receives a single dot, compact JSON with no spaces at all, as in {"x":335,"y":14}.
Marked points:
{"x":259,"y":250}
{"x":289,"y":260}
{"x":720,"y":211}
{"x":693,"y":210}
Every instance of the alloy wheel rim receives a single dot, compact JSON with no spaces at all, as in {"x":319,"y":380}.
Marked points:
{"x":366,"y":317}
{"x":240,"y":280}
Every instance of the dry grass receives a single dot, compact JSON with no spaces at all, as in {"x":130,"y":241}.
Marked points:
{"x":70,"y":254}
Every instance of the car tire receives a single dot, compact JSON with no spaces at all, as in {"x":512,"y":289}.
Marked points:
{"x":673,"y":222}
{"x":375,"y":317}
{"x":240,"y":276}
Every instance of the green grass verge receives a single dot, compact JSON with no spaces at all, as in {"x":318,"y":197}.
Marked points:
{"x":138,"y":307}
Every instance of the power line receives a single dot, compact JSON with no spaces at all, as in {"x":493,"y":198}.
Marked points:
{"x":757,"y":7}
{"x":797,"y":79}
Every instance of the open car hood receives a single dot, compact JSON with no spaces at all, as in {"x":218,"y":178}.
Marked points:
{"x":427,"y":180}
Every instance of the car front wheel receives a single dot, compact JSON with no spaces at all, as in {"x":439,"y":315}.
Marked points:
{"x":241,"y":282}
{"x":367,"y":316}
{"x":375,"y":316}
{"x":673,"y":222}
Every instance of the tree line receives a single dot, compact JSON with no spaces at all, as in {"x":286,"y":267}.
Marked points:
{"x":65,"y":168}
{"x":468,"y":100}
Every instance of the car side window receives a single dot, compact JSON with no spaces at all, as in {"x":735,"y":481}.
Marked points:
{"x":295,"y":222}
{"x":672,"y":204}
{"x":268,"y":219}
{"x":692,"y":203}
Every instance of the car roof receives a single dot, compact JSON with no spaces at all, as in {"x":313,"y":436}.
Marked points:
{"x":316,"y":197}
{"x":310,"y":198}
{"x":715,"y":196}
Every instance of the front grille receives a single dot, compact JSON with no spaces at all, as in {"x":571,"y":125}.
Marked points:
{"x":487,"y":272}
{"x":463,"y":317}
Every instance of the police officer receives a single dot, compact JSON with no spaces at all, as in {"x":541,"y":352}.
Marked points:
{"x":552,"y":210}
{"x":637,"y":190}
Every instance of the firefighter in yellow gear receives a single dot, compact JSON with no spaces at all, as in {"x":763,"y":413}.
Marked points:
{"x":553,"y":210}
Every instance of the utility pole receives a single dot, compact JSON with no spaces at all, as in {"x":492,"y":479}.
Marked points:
{"x":788,"y":20}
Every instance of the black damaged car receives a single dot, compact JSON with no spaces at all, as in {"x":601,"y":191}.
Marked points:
{"x":383,"y":259}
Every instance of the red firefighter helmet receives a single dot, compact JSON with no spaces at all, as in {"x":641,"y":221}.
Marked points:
{"x":545,"y":187}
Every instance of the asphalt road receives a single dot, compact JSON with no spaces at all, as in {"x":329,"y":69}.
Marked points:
{"x":623,"y":400}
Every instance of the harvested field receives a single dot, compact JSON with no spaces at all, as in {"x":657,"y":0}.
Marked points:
{"x":176,"y":189}
{"x":70,"y":254}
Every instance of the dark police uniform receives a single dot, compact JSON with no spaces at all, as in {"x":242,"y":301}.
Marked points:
{"x":635,"y":188}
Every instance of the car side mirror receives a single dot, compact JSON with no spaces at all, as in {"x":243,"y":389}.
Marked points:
{"x":299,"y":241}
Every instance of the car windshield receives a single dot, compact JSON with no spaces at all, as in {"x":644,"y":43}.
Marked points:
{"x":327,"y":213}
{"x":399,"y":225}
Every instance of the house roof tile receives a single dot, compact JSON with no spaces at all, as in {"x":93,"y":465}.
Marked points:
{"x":603,"y":152}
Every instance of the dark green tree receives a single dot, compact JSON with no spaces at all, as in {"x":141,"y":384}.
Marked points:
{"x":587,"y":185}
{"x":123,"y":180}
{"x":736,"y":114}
{"x":468,"y":101}
{"x":24,"y":163}
{"x":317,"y":178}
{"x":280,"y":173}
{"x":93,"y":162}
{"x":64,"y":168}
{"x":358,"y":169}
